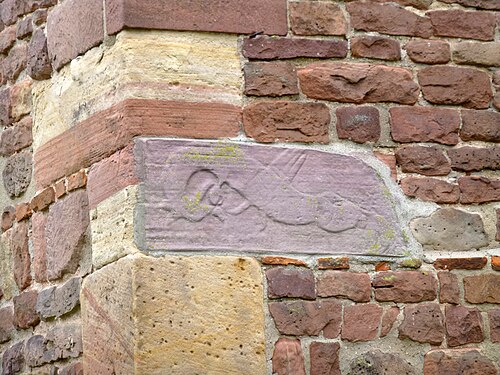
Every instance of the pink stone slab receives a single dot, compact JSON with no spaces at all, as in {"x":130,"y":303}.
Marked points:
{"x":232,"y":197}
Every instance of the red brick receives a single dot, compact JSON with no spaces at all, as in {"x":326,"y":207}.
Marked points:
{"x":266,"y":48}
{"x":428,"y":51}
{"x":110,"y":130}
{"x":307,"y":318}
{"x":430,"y":190}
{"x":76,"y":181}
{"x":494,"y":319}
{"x":478,"y":189}
{"x":423,"y":323}
{"x":340,"y":263}
{"x":461,"y":24}
{"x":495,"y":260}
{"x":43,"y":199}
{"x":15,"y":62}
{"x":286,"y":282}
{"x":270,"y":79}
{"x":288,"y":358}
{"x":324,"y":358}
{"x":352,"y":285}
{"x":358,"y":124}
{"x":482,"y":288}
{"x":429,"y":161}
{"x":23,"y":211}
{"x":74,"y":27}
{"x":21,"y":255}
{"x":484,"y":4}
{"x":405,"y":286}
{"x":463,"y":325}
{"x":469,"y":159}
{"x":459,"y":86}
{"x":460,"y":263}
{"x":449,"y":291}
{"x":358,"y":83}
{"x":388,"y":19}
{"x":8,"y":217}
{"x":361,"y":322}
{"x":7,"y":39}
{"x":24,"y":28}
{"x":390,"y":161}
{"x":375,"y":47}
{"x":6,"y":324}
{"x":287,"y":122}
{"x":458,"y":361}
{"x":480,"y":126}
{"x":425,"y":124}
{"x":316,"y":18}
{"x":25,"y":315}
{"x":281,"y":261}
{"x":382,"y":266}
{"x":38,"y":65}
{"x":16,"y":138}
{"x":60,"y":188}
{"x":388,"y":319}
{"x":38,"y":224}
{"x":235,"y":16}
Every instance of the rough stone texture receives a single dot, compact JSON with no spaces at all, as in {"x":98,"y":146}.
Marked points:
{"x":476,"y":53}
{"x":429,"y":161}
{"x":428,"y":51}
{"x":38,"y":225}
{"x":484,"y":4}
{"x":405,"y":286}
{"x":43,"y":199}
{"x":424,"y":124}
{"x":449,"y":291}
{"x":259,"y":207}
{"x":141,"y":308}
{"x":65,"y":233}
{"x":287,"y":121}
{"x":288,"y":358}
{"x":60,"y":188}
{"x":57,"y":301}
{"x":339,"y":263}
{"x":23,"y":211}
{"x":430,"y":189}
{"x":471,"y":159}
{"x":358,"y":124}
{"x":24,"y":28}
{"x":307,"y":318}
{"x":5,"y":106}
{"x":282,"y":261}
{"x":17,"y":174}
{"x":457,"y":86}
{"x":16,"y":138}
{"x":352,"y":285}
{"x":494,"y":319}
{"x":7,"y":39}
{"x":458,"y":361}
{"x":76,"y":181}
{"x":73,"y":369}
{"x":450,"y":229}
{"x":376,"y":47}
{"x":112,"y":227}
{"x":21,"y":255}
{"x":73,"y":28}
{"x":464,"y":325}
{"x":21,"y":99}
{"x":283,"y":282}
{"x":25,"y":315}
{"x":361,"y":322}
{"x":460,"y":263}
{"x":324,"y":358}
{"x":8,"y":217}
{"x":390,"y":161}
{"x":13,"y":359}
{"x":461,"y":24}
{"x":388,"y":319}
{"x":7,"y":282}
{"x":423,"y":323}
{"x":235,"y":16}
{"x":39,"y":17}
{"x":358,"y":83}
{"x":480,"y":126}
{"x":388,"y":19}
{"x":270,"y":79}
{"x":266,"y":48}
{"x":38,"y":65}
{"x":482,"y":288}
{"x":495,"y":260}
{"x":15,"y":62}
{"x":6,"y":324}
{"x":316,"y":18}
{"x":478,"y":189}
{"x":377,"y":362}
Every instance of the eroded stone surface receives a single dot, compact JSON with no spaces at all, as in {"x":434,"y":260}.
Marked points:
{"x":423,"y":323}
{"x":460,"y":361}
{"x":377,"y":362}
{"x":288,"y":358}
{"x":17,"y":174}
{"x":324,"y":357}
{"x":202,"y":196}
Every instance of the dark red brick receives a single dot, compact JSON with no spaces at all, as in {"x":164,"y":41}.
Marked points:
{"x":352,"y":285}
{"x":340,"y":263}
{"x":358,"y":124}
{"x":316,"y":18}
{"x":458,"y":361}
{"x":25,"y":315}
{"x":361,"y":322}
{"x":429,"y":51}
{"x":449,"y":291}
{"x":21,"y":255}
{"x":17,"y":137}
{"x":375,"y":47}
{"x":480,"y":126}
{"x":494,"y":319}
{"x":478,"y":189}
{"x":289,"y":282}
{"x":464,"y":325}
{"x":288,"y":358}
{"x":460,"y":263}
{"x":470,"y":159}
{"x":405,"y":286}
{"x":324,"y":358}
{"x":430,"y":189}
{"x":429,"y":161}
{"x":461,"y":24}
{"x":423,"y":323}
{"x":270,"y":79}
{"x":482,"y":288}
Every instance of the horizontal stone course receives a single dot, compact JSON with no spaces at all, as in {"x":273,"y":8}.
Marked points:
{"x":351,"y":285}
{"x":430,"y":189}
{"x":283,"y":282}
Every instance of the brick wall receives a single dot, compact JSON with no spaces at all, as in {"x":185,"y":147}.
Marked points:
{"x":407,"y":91}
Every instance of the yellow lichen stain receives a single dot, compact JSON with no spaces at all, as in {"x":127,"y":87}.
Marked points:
{"x":194,"y":205}
{"x":389,"y":278}
{"x":221,"y":152}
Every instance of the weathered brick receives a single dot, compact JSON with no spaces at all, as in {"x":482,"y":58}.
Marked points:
{"x":43,"y":199}
{"x":340,"y":263}
{"x":21,"y":255}
{"x":461,"y":24}
{"x":428,"y":51}
{"x":285,"y":282}
{"x":38,"y":224}
{"x":478,"y":189}
{"x":358,"y":124}
{"x":477,"y":53}
{"x":307,"y":318}
{"x":60,"y":188}
{"x":423,"y":323}
{"x":375,"y":47}
{"x":388,"y":319}
{"x":482,"y":288}
{"x":288,"y":358}
{"x":430,"y":189}
{"x":460,"y":263}
{"x":382,"y":266}
{"x":324,"y":358}
{"x":388,"y":19}
{"x":266,"y":48}
{"x":7,"y":39}
{"x":352,"y":285}
{"x":316,"y":18}
{"x":449,"y":291}
{"x":57,"y":301}
{"x":6,"y":324}
{"x":15,"y":62}
{"x":23,"y":211}
{"x":458,"y":361}
{"x":425,"y":124}
{"x":494,"y":319}
{"x":287,"y":121}
{"x":464,"y":325}
{"x":377,"y":362}
{"x":270,"y":79}
{"x":24,"y":28}
{"x":38,"y":66}
{"x":458,"y":86}
{"x":8,"y":217}
{"x":13,"y":359}
{"x":282,"y":261}
{"x":469,"y":159}
{"x":361,"y":322}
{"x":480,"y":126}
{"x":358,"y":83}
{"x":17,"y":137}
{"x":76,"y":181}
{"x":405,"y":286}
{"x":495,"y":260}
{"x":429,"y":161}
{"x":25,"y":315}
